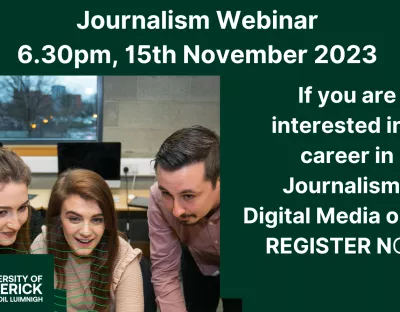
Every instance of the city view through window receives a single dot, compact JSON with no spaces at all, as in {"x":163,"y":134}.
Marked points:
{"x":48,"y":108}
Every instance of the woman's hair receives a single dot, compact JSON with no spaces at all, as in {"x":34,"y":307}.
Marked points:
{"x":188,"y":146}
{"x":90,"y":187}
{"x":14,"y":170}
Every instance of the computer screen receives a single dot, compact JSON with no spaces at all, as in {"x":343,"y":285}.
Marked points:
{"x":103,"y":158}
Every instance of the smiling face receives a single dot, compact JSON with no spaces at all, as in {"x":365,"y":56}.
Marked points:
{"x":187,"y":194}
{"x":83,"y":224}
{"x":14,"y":211}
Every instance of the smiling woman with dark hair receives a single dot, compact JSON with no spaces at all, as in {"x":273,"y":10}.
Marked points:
{"x":97,"y":267}
{"x":15,"y":211}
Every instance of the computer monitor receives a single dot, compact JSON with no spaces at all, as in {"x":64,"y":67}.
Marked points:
{"x":103,"y":158}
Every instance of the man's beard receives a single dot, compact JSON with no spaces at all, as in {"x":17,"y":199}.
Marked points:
{"x":186,"y":223}
{"x":190,"y":218}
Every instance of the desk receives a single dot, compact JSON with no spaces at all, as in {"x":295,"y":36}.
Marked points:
{"x":41,"y":201}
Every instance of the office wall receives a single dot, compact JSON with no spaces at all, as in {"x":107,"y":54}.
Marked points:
{"x":141,"y":111}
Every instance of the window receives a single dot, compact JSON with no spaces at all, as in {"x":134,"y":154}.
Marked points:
{"x":47,"y":109}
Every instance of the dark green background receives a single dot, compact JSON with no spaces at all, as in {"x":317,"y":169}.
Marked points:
{"x":256,"y":164}
{"x":38,"y":265}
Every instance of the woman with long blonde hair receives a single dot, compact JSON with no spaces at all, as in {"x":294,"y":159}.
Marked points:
{"x":15,"y":211}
